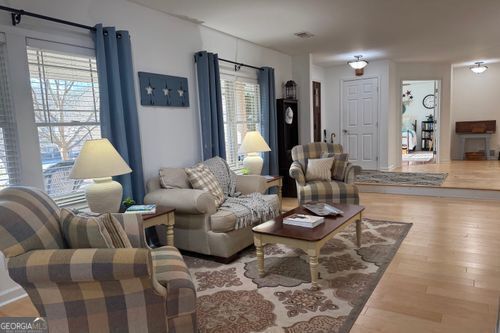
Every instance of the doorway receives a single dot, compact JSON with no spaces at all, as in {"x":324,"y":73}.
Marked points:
{"x":360,"y":103}
{"x":419,"y":121}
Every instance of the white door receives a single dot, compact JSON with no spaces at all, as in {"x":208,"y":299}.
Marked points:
{"x":359,"y":122}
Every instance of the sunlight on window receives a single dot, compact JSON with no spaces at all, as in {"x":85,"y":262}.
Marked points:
{"x":65,"y":94}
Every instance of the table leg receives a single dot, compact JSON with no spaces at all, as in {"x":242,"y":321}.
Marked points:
{"x":358,"y":230}
{"x":170,"y":229}
{"x":280,"y":196}
{"x":313,"y":263}
{"x":260,"y":256}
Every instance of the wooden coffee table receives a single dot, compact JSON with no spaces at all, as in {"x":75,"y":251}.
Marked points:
{"x":309,"y":240}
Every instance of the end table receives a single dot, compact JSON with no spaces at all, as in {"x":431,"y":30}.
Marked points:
{"x":163,"y":216}
{"x":275,"y":181}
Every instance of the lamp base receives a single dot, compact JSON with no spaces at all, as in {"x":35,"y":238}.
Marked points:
{"x":104,"y":195}
{"x":253,"y":162}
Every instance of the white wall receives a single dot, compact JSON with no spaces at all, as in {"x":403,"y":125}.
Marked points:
{"x":475,"y":97}
{"x":334,"y":77}
{"x":160,"y":44}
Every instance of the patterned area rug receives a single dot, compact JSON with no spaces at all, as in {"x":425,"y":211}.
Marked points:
{"x":401,"y":178}
{"x":233,"y":298}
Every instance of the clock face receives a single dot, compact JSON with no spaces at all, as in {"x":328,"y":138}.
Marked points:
{"x":429,"y":101}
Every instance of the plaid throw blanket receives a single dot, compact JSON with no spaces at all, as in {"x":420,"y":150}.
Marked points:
{"x":249,"y":209}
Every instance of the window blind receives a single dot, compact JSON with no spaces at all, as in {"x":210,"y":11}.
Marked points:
{"x":9,"y":163}
{"x":65,"y":94}
{"x":241,"y":111}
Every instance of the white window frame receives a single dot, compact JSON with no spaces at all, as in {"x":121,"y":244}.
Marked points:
{"x":17,"y":40}
{"x":227,"y":73}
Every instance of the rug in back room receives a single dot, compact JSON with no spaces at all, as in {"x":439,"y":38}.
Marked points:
{"x":233,"y":298}
{"x":401,"y":178}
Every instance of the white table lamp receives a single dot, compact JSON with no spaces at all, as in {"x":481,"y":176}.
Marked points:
{"x":253,"y":144}
{"x":99,"y":160}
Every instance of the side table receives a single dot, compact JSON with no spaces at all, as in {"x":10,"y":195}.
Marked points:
{"x":275,"y":181}
{"x":163,"y":216}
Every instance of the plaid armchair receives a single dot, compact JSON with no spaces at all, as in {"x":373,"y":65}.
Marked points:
{"x":93,"y":290}
{"x":334,"y":191}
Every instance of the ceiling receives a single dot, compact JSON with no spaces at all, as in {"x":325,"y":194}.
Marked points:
{"x":454,"y":31}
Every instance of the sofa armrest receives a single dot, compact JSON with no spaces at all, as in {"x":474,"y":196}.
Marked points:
{"x":297,"y":173}
{"x":153,"y":184}
{"x":185,"y":201}
{"x":250,"y":184}
{"x":79,"y":265}
{"x":351,"y":173}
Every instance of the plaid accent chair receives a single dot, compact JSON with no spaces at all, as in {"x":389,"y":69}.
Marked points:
{"x":334,"y":190}
{"x":93,"y":290}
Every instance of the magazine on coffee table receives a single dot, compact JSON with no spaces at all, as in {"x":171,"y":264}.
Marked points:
{"x":322,"y":209}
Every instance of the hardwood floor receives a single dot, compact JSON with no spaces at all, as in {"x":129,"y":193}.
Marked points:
{"x":444,"y":278}
{"x":484,"y":175}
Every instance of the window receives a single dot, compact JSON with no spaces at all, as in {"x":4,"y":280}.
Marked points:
{"x":241,"y":109}
{"x":9,"y":165}
{"x":66,"y":105}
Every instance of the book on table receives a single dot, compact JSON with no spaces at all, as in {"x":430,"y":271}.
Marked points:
{"x":141,"y":209}
{"x":302,"y":220}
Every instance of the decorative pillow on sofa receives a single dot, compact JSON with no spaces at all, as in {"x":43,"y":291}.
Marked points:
{"x":224,"y":175}
{"x":174,"y":178}
{"x":202,"y":178}
{"x":319,"y":169}
{"x":102,"y":231}
{"x":339,"y":167}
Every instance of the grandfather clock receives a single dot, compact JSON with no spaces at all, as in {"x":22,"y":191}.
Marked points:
{"x":288,"y":137}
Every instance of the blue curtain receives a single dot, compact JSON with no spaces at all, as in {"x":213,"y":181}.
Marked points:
{"x":210,"y":99}
{"x":119,"y":119}
{"x":269,"y":128}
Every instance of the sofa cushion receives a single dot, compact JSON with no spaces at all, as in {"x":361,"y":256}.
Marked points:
{"x":225,"y":221}
{"x":172,"y":273}
{"x":326,"y":191}
{"x":339,"y":166}
{"x":174,"y":178}
{"x":202,"y":178}
{"x":102,"y":231}
{"x":319,"y":169}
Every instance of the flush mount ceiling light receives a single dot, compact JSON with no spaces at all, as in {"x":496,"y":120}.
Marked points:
{"x":478,"y":68}
{"x":358,"y":63}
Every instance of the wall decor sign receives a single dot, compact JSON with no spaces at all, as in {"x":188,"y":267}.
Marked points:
{"x":163,"y":90}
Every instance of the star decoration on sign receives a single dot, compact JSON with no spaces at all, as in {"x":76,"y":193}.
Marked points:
{"x":166,"y":91}
{"x":149,"y":89}
{"x":180,"y":92}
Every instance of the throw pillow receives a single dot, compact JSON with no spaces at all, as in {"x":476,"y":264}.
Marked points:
{"x":101,"y":231}
{"x":339,"y":167}
{"x":224,"y":175}
{"x":174,"y":178}
{"x":319,"y":169}
{"x":202,"y":178}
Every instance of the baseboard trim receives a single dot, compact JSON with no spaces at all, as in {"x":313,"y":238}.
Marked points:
{"x":12,"y":294}
{"x":431,"y":191}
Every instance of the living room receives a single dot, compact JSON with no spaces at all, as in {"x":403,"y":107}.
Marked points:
{"x":175,"y":83}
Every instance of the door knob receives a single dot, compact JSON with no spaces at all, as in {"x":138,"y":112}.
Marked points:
{"x":345,"y":131}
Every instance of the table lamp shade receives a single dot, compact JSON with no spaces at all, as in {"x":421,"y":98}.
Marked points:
{"x":98,"y":159}
{"x":253,"y":142}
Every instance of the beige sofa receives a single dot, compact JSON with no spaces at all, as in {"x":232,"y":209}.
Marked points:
{"x":201,"y":227}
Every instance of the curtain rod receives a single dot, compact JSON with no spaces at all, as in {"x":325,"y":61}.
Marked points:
{"x":16,"y":15}
{"x":238,"y":65}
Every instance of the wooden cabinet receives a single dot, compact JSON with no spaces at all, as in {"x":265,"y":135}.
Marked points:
{"x":288,"y":137}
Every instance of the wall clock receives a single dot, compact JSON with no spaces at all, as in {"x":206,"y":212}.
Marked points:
{"x":429,"y":101}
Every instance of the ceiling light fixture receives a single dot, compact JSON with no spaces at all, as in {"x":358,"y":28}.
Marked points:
{"x":358,"y":63}
{"x":478,"y":68}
